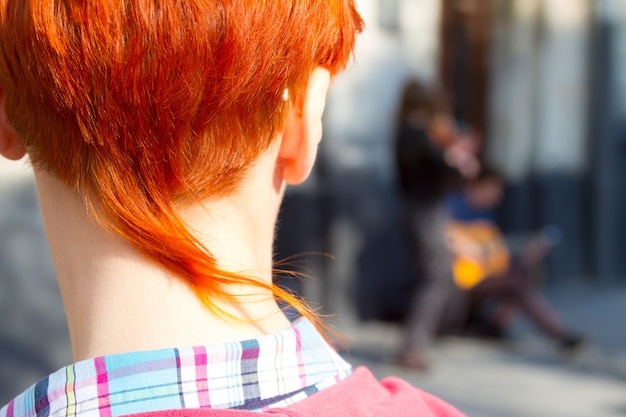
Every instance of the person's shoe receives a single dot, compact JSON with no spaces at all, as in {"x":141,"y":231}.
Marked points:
{"x":571,"y":343}
{"x":413,"y":360}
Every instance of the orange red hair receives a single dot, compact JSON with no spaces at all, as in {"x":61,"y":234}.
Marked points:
{"x":146,"y":105}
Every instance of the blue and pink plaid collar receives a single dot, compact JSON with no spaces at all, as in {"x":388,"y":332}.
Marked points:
{"x":272,"y":371}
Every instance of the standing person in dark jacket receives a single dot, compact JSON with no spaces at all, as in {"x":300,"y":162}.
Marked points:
{"x":431,"y":157}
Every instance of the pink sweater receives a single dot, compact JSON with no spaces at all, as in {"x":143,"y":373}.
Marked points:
{"x":358,"y":395}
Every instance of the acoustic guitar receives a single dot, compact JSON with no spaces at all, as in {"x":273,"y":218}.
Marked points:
{"x":479,"y":252}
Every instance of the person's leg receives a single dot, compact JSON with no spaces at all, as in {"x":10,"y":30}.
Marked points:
{"x":431,"y":296}
{"x":516,"y":289}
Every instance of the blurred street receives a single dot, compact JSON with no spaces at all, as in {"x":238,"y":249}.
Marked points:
{"x":523,"y":377}
{"x":526,"y":376}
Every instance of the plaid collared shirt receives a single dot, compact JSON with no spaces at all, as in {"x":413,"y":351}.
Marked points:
{"x":271,"y":371}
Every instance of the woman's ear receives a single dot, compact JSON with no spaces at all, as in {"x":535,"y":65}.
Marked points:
{"x":11,"y":147}
{"x":303,"y":129}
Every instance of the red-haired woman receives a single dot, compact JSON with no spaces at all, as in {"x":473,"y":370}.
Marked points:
{"x":162,"y":135}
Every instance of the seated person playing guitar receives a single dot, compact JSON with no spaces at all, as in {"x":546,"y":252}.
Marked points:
{"x":486,"y":268}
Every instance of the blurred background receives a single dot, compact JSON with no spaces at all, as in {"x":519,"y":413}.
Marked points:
{"x":543,"y":84}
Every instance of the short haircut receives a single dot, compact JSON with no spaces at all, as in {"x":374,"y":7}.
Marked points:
{"x":147,"y":105}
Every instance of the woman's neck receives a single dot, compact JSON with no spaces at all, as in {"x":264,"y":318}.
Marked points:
{"x":117,"y":300}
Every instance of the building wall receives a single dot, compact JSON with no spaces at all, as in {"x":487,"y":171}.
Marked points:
{"x":539,"y":86}
{"x":400,"y":40}
{"x":558,"y":127}
{"x":614,"y":11}
{"x":608,"y":140}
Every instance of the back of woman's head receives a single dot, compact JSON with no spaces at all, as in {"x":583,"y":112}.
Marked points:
{"x":144,"y":106}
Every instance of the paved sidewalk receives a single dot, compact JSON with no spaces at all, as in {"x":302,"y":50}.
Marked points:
{"x":492,"y":381}
{"x":524,"y":377}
